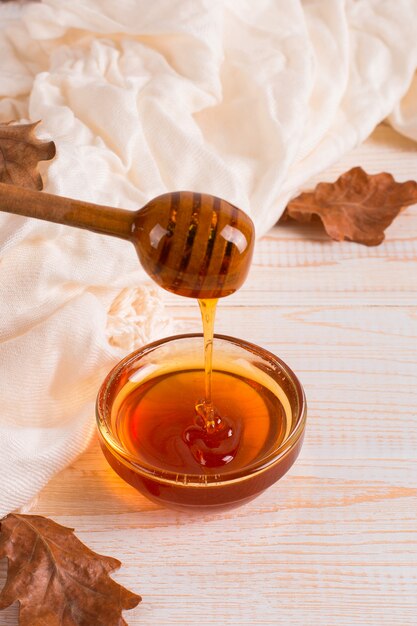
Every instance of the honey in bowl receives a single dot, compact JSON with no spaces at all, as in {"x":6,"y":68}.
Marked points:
{"x":147,"y":405}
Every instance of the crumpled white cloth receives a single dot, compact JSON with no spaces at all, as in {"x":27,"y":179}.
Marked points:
{"x":245,"y":100}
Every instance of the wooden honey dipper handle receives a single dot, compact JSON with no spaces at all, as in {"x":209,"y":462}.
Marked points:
{"x":46,"y":206}
{"x":192,"y":244}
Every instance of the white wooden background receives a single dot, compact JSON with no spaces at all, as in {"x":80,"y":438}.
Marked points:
{"x":334,"y":543}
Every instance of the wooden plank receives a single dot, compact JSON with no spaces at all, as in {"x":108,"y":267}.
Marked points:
{"x":340,"y":527}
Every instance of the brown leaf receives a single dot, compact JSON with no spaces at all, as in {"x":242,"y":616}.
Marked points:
{"x":20,"y":153}
{"x":57,"y":580}
{"x":358,"y":206}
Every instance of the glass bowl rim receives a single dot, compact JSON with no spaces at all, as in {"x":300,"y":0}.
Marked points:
{"x":200,"y":480}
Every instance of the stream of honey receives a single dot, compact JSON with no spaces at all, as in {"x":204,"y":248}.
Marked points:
{"x":213,"y":438}
{"x":205,"y":407}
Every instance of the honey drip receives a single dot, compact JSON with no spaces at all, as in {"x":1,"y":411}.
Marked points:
{"x":213,"y":439}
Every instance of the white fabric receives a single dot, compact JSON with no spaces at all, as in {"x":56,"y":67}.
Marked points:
{"x":238,"y":98}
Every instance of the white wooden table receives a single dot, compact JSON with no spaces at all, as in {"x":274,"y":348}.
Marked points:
{"x":334,"y":543}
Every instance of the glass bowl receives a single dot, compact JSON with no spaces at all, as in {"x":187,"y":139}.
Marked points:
{"x":269,"y":448}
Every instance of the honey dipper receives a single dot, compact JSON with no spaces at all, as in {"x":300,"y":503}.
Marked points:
{"x":192,"y":244}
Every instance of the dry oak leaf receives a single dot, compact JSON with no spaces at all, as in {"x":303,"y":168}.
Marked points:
{"x":358,"y":206}
{"x":56,"y":579}
{"x":20,"y":153}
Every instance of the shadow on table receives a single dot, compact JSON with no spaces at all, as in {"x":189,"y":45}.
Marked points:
{"x":90,"y":487}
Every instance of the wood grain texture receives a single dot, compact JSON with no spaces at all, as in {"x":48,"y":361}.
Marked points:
{"x":335,"y":541}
